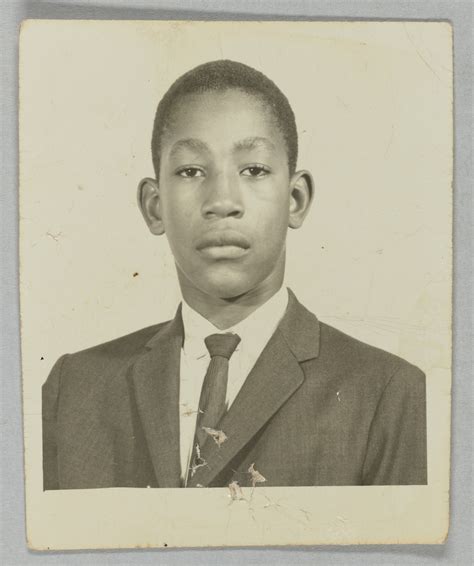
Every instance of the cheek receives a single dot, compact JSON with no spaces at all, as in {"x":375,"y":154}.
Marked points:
{"x":176,"y":214}
{"x":271,"y":236}
{"x":272,"y":218}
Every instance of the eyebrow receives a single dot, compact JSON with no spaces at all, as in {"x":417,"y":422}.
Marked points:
{"x":246,"y":144}
{"x":193,"y":144}
{"x":255,"y":142}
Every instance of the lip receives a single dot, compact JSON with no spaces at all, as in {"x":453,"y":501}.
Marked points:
{"x":223,"y":244}
{"x":223,"y":252}
{"x":222,"y":238}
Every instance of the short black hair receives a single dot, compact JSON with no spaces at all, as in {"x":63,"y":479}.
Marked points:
{"x":222,"y":75}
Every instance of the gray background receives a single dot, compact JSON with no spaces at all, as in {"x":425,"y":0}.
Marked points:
{"x":458,"y":549}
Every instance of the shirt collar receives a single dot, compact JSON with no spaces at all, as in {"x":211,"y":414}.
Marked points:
{"x":254,"y":331}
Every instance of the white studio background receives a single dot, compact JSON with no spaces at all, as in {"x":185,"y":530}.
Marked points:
{"x":373,"y":105}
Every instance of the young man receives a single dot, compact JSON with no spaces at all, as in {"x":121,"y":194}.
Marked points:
{"x":244,"y":384}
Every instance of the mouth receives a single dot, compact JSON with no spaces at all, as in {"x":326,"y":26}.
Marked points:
{"x":223,"y":245}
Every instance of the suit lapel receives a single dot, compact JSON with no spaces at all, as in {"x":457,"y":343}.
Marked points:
{"x":155,"y":379}
{"x":273,"y":380}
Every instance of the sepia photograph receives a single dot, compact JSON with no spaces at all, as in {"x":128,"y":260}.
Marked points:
{"x":236,"y":274}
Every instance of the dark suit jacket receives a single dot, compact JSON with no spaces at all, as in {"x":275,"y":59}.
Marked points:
{"x":318,"y":408}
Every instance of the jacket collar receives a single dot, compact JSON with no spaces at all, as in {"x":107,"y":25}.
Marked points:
{"x":274,"y":378}
{"x":155,"y":379}
{"x":300,"y":329}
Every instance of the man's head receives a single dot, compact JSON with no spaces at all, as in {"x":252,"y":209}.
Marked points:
{"x":224,"y":150}
{"x":221,"y":76}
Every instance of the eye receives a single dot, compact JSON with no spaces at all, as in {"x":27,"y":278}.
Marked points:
{"x":256,"y":171}
{"x":190,"y":172}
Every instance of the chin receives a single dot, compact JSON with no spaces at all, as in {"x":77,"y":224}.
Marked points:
{"x":227,"y":286}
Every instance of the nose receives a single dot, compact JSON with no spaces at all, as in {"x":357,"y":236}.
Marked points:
{"x":223,"y":197}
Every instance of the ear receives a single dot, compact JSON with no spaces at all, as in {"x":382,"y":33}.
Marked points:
{"x":149,"y":202}
{"x":301,"y":197}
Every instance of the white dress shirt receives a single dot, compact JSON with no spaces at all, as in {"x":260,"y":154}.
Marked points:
{"x":254,"y":331}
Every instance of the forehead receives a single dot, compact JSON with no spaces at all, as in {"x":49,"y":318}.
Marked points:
{"x":230,"y":114}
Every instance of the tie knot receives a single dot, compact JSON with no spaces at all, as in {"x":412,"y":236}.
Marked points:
{"x":222,"y":344}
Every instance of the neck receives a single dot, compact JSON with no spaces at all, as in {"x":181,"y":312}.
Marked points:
{"x":224,"y":313}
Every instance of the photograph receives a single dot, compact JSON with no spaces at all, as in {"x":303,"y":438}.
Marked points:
{"x":303,"y":402}
{"x":290,"y":326}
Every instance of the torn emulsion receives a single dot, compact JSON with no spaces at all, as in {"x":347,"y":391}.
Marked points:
{"x":187,"y":411}
{"x":236,"y":493}
{"x":255,"y":476}
{"x":55,"y":237}
{"x":198,"y":461}
{"x":218,"y":436}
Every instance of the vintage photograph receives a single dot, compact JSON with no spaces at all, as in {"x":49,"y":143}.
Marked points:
{"x":236,"y":273}
{"x":244,"y":376}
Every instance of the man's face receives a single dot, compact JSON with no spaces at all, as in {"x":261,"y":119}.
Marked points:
{"x":224,"y":191}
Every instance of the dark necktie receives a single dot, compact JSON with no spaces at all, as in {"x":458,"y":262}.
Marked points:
{"x":212,"y":402}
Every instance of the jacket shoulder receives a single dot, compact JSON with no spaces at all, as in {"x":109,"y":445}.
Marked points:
{"x":107,"y":357}
{"x":124,"y":345}
{"x":370,"y":364}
